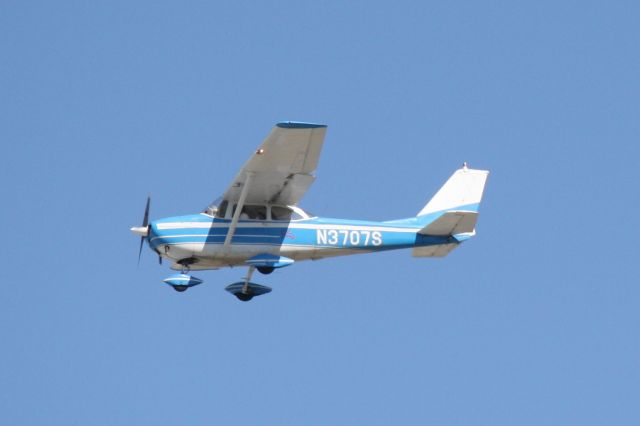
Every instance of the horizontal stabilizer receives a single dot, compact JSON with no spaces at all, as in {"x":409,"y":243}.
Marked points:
{"x":440,"y":250}
{"x":452,"y":223}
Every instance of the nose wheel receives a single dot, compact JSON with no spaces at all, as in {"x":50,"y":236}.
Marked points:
{"x":183,"y":281}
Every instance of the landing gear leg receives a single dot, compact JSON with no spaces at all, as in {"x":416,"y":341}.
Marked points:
{"x":245,"y":290}
{"x":183,"y":281}
{"x":185,"y":270}
{"x":246,"y":294}
{"x":186,"y":264}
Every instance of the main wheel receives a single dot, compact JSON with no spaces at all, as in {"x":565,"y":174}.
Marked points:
{"x":180,"y":288}
{"x":266,"y":270}
{"x":244,"y":297}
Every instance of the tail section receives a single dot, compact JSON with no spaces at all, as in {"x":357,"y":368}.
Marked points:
{"x":462,"y":192}
{"x":452,"y":212}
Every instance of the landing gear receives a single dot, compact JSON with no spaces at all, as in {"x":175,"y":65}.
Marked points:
{"x":186,"y":264}
{"x":245,"y":294}
{"x":246,"y":290}
{"x":266,"y":270}
{"x":183,"y":281}
{"x":244,"y":297}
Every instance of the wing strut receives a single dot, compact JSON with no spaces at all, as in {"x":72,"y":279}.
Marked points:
{"x":236,"y":214}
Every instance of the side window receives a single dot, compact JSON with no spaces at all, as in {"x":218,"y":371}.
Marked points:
{"x":280,"y":213}
{"x":254,"y":212}
{"x":222,"y":209}
{"x":251,"y":212}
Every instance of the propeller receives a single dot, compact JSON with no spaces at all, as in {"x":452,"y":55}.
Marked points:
{"x":143,"y":230}
{"x":145,"y":224}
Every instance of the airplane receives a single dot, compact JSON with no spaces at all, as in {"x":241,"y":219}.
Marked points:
{"x":258,"y":224}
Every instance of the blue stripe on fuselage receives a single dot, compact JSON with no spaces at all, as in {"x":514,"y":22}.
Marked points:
{"x":315,"y":232}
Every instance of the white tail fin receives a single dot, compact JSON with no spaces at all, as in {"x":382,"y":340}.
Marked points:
{"x":463,"y":191}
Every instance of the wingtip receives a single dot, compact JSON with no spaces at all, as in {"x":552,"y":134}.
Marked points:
{"x":299,"y":125}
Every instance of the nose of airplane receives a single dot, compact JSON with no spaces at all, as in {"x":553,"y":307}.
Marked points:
{"x":154,"y":240}
{"x":140,"y":230}
{"x":146,"y":230}
{"x":152,"y":230}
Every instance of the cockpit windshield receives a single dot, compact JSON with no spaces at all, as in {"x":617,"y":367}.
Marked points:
{"x":218,"y":208}
{"x":306,"y":213}
{"x":298,"y":213}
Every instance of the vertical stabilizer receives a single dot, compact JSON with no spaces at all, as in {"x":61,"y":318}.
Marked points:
{"x":463,"y":191}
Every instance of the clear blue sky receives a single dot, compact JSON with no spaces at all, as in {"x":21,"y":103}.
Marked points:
{"x":533,"y":322}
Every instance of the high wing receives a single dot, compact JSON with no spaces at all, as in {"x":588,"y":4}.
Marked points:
{"x":280,"y":170}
